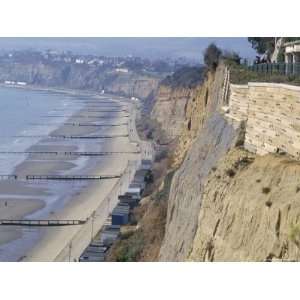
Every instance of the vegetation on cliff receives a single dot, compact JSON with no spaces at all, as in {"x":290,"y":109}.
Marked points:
{"x":187,"y":77}
{"x":241,"y":74}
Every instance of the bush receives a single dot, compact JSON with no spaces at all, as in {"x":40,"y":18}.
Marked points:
{"x":231,"y":57}
{"x":266,"y":190}
{"x":187,"y":77}
{"x":268,"y":203}
{"x":131,"y":247}
{"x":160,"y":155}
{"x":230,"y":172}
{"x":212,"y":56}
{"x":240,"y":74}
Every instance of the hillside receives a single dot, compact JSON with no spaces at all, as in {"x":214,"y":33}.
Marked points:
{"x":226,"y":198}
{"x":79,"y":76}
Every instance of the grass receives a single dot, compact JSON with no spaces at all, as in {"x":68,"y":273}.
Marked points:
{"x":130,"y":247}
{"x":239,"y":74}
{"x":294,"y":234}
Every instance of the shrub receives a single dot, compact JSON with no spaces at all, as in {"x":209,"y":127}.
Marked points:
{"x":268,"y":203}
{"x":187,"y":77}
{"x":212,"y":56}
{"x":240,"y":74}
{"x":230,"y":172}
{"x":160,"y":155}
{"x":131,"y":247}
{"x":266,"y":190}
{"x":231,"y":57}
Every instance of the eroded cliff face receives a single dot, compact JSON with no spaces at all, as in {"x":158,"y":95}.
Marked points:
{"x":211,"y":138}
{"x":170,"y":109}
{"x":250,"y":210}
{"x":226,"y":203}
{"x":80,"y":76}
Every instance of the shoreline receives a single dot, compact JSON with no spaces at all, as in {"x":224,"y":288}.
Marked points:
{"x":106,"y":162}
{"x":60,"y":90}
{"x":99,"y":198}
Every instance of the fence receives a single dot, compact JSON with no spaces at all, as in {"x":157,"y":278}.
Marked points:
{"x":277,"y":68}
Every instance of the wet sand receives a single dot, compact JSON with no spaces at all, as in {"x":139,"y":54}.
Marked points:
{"x":24,"y":198}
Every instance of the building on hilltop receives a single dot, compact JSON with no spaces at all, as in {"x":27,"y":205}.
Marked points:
{"x":292,"y":52}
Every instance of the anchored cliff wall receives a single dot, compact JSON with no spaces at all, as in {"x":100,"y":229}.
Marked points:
{"x":271,"y":114}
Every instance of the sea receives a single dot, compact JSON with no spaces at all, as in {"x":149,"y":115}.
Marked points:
{"x":23,"y":112}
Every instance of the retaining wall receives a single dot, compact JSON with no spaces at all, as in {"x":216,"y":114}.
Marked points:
{"x":271,"y":113}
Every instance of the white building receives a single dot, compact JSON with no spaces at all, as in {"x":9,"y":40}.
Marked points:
{"x":292,"y":52}
{"x":21,"y":83}
{"x":79,"y":61}
{"x":122,"y":70}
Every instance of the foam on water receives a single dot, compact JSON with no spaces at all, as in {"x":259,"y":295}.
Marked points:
{"x":20,"y":108}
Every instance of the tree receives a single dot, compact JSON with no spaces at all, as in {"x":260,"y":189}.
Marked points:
{"x":212,"y":56}
{"x":262,"y":44}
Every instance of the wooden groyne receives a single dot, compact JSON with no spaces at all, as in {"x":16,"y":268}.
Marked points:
{"x":72,"y":136}
{"x":71,"y":177}
{"x":71,"y":153}
{"x":107,"y":110}
{"x":7,"y":222}
{"x":83,"y":116}
{"x":8,"y":177}
{"x":79,"y":124}
{"x":59,"y":177}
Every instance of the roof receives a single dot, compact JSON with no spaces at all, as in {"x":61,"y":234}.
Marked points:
{"x":297,"y":42}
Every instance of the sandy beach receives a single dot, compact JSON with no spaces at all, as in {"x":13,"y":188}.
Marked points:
{"x":72,"y":200}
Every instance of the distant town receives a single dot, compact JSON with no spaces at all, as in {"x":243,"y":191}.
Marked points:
{"x":124,"y":64}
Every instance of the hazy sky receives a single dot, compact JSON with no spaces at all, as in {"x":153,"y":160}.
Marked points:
{"x":146,"y":47}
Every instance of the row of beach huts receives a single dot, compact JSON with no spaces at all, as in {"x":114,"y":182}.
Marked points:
{"x":121,"y":215}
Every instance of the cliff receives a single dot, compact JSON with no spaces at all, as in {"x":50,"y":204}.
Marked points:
{"x":213,"y":138}
{"x":80,"y":76}
{"x":229,"y":189}
{"x":174,"y":102}
{"x":250,"y":210}
{"x":228,"y":203}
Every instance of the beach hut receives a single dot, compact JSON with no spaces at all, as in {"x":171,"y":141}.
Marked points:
{"x":146,"y":164}
{"x":135,"y":188}
{"x":109,"y":234}
{"x":120,"y":214}
{"x":128,"y":199}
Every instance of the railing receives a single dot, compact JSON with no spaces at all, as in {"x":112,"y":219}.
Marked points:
{"x":277,"y":68}
{"x":226,"y":85}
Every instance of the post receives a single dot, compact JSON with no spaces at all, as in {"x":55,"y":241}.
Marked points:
{"x":70,"y":250}
{"x":92,"y":231}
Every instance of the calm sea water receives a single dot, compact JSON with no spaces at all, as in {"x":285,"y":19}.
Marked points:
{"x":18,"y":110}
